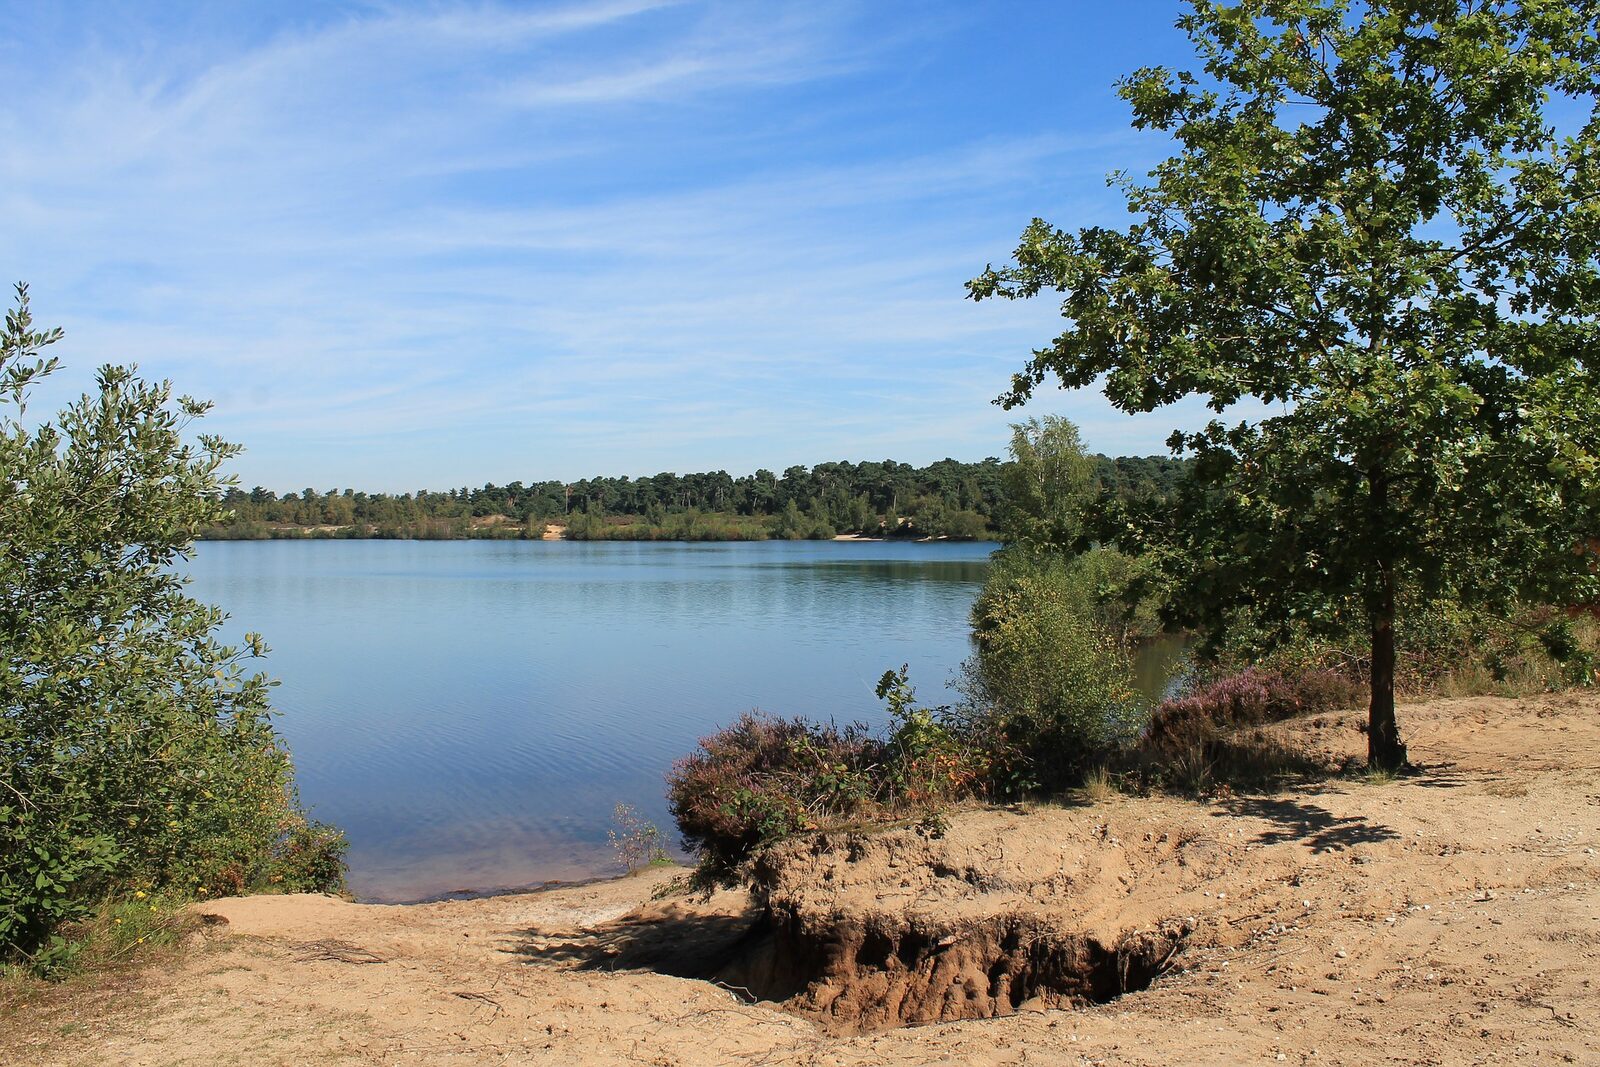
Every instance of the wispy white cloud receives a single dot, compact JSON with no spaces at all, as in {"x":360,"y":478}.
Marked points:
{"x":411,"y":245}
{"x":605,"y":88}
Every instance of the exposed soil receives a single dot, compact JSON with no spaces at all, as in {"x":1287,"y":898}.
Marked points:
{"x":1450,"y":917}
{"x":854,"y":974}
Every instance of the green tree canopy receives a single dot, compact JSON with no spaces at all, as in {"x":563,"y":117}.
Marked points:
{"x":1049,"y":486}
{"x":1382,"y":219}
{"x":135,"y":748}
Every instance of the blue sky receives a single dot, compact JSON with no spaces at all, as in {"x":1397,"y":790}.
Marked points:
{"x":432,"y":245}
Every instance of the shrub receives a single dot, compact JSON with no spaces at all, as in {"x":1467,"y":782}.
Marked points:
{"x":1255,"y":696}
{"x":931,"y":759}
{"x":1448,"y":648}
{"x":765,"y":778}
{"x":135,"y":749}
{"x":636,"y":840}
{"x":308,"y":857}
{"x":1050,"y":688}
{"x":1441,"y":648}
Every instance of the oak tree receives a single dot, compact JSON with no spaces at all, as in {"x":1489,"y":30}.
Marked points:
{"x":1380,"y":222}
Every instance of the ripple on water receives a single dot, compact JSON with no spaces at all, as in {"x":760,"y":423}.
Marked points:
{"x":471,"y":712}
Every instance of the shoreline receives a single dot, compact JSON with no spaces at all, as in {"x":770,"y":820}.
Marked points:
{"x":1447,"y":916}
{"x":558,"y":533}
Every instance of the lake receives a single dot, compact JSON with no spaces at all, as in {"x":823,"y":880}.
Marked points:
{"x":470,"y":712}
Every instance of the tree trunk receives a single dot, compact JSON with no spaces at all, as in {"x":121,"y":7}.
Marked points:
{"x":1384,"y":750}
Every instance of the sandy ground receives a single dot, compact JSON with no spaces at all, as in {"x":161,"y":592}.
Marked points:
{"x":1452,"y":917}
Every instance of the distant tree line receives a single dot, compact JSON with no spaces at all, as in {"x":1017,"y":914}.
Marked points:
{"x":944,"y":499}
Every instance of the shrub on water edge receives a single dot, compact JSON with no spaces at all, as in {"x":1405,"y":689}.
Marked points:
{"x":636,"y":840}
{"x":764,"y":778}
{"x":136,"y":751}
{"x":1050,"y":689}
{"x":930,"y":759}
{"x":308,"y":857}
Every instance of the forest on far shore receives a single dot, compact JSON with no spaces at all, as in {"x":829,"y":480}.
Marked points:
{"x":948,"y":499}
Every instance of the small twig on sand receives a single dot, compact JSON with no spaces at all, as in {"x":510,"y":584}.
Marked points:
{"x":337,"y":951}
{"x":738,"y":990}
{"x":467,"y":994}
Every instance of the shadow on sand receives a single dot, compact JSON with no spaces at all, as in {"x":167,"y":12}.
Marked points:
{"x":1299,"y":820}
{"x":664,"y":941}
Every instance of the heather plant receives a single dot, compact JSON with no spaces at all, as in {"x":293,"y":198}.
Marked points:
{"x":136,"y":751}
{"x":1211,"y":732}
{"x":764,"y":778}
{"x":1441,"y":649}
{"x":1254,"y":696}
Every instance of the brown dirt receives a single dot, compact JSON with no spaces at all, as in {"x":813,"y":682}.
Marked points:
{"x":1451,"y":917}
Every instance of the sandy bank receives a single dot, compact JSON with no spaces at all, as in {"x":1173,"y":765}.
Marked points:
{"x":1452,"y":917}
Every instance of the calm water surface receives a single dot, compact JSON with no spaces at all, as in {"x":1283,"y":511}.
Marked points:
{"x":471,"y":711}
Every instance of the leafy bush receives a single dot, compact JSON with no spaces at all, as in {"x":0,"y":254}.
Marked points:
{"x":1441,"y":648}
{"x":931,"y":758}
{"x":135,"y":749}
{"x":1448,"y":648}
{"x":1050,"y":686}
{"x":308,"y":857}
{"x":1119,"y":591}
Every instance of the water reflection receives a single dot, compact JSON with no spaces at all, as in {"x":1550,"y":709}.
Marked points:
{"x":471,"y":711}
{"x":1159,"y":666}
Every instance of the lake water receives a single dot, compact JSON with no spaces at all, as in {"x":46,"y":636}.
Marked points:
{"x":472,"y":711}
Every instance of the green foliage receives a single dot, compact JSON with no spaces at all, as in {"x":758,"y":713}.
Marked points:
{"x":684,"y":526}
{"x":944,"y":499}
{"x":1049,"y":684}
{"x":111,"y":933}
{"x":135,"y":748}
{"x":1441,"y":648}
{"x":932,"y":759}
{"x":1122,"y":593}
{"x":1049,"y":487}
{"x":306,"y":857}
{"x":1383,"y":220}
